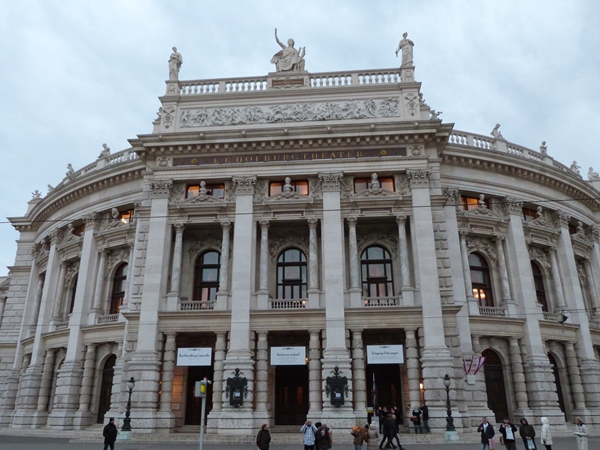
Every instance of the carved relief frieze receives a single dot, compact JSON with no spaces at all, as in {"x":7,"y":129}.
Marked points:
{"x":314,"y":188}
{"x":177,"y":194}
{"x":411,"y":102}
{"x":229,"y":192}
{"x":401,"y":184}
{"x":115,"y":257}
{"x":561,"y":219}
{"x":539,"y":255}
{"x":377,"y":236}
{"x":279,"y":241}
{"x":482,"y":245}
{"x":347,"y":187}
{"x":418,"y":177}
{"x":290,"y":112}
{"x":168,"y":116}
{"x":453,"y":196}
{"x":512,"y":205}
{"x":204,"y":242}
{"x":261,"y":191}
{"x":331,"y":181}
{"x":161,"y":188}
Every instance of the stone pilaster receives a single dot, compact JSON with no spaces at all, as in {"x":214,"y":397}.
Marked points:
{"x":412,"y":370}
{"x":575,"y":381}
{"x":262,"y":373}
{"x":83,"y":416}
{"x":223,"y":293}
{"x":506,"y":297}
{"x":556,"y":282}
{"x":41,"y":414}
{"x":263,"y":288}
{"x":218,"y":395}
{"x":464,"y":254}
{"x":592,"y":291}
{"x":408,"y":297}
{"x":313,"y":264}
{"x":57,"y":314}
{"x":355,"y":289}
{"x":166,"y":418}
{"x":315,"y":395}
{"x":177,"y":255}
{"x":358,"y":374}
{"x":519,"y":383}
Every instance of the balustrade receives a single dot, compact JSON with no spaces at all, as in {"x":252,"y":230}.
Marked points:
{"x":108,"y":318}
{"x":288,"y":304}
{"x":202,"y":305}
{"x":374,"y":302}
{"x":492,"y":311}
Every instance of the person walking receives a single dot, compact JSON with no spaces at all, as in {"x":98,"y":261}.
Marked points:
{"x":372,"y":437}
{"x":416,"y":419}
{"x":360,"y":436}
{"x":387,"y":433}
{"x":309,"y":431}
{"x":508,"y":431}
{"x":527,"y":434}
{"x":546,"y":434}
{"x":110,"y":434}
{"x":263,"y":438}
{"x":394,"y":430}
{"x":487,"y":433}
{"x":581,"y":431}
{"x":425,"y":411}
{"x":323,"y":438}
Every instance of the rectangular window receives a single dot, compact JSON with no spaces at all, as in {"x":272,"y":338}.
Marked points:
{"x":126,"y":216}
{"x":78,"y":230}
{"x":529,"y":214}
{"x":216,"y":190}
{"x":469,"y":203}
{"x":361,"y":184}
{"x":297,"y":186}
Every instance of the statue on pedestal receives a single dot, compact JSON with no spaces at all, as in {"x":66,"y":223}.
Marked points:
{"x":496,"y":132}
{"x":175,"y":62}
{"x":289,"y":59}
{"x":406,"y":46}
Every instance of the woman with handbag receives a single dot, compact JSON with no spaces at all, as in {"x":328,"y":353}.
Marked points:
{"x":527,"y":434}
{"x":546,"y":434}
{"x":581,"y":431}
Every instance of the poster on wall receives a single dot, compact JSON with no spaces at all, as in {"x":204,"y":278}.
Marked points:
{"x":385,"y":354}
{"x":288,"y":356}
{"x":194,"y":356}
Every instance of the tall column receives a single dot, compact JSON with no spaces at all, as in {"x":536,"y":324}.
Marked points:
{"x":575,"y":380}
{"x":538,"y":372}
{"x":264,"y":257}
{"x":46,"y":381}
{"x":412,"y":369}
{"x":558,"y":289}
{"x":60,"y":294}
{"x":2,"y":306}
{"x":166,"y":395}
{"x":38,"y":301}
{"x":408,"y":298}
{"x":223,"y":293}
{"x":315,"y":395}
{"x":262,"y":372}
{"x":506,"y":297}
{"x":313,"y":265}
{"x":591,"y":288}
{"x":358,"y":374}
{"x":177,"y":255}
{"x":220,"y":347}
{"x":83,"y":416}
{"x":355,"y":289}
{"x":97,"y":308}
{"x":519,"y":383}
{"x":464,"y":254}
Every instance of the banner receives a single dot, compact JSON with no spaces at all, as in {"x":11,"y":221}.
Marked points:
{"x":194,"y":356}
{"x":288,"y":356}
{"x":385,"y":354}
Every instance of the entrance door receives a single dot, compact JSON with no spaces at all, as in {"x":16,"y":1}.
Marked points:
{"x":106,"y":387}
{"x":291,"y":395}
{"x":559,"y":393}
{"x":193,"y":406}
{"x":494,"y":385}
{"x":387,"y":384}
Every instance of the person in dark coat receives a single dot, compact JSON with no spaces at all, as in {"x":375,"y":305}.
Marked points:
{"x":110,"y":434}
{"x":416,"y":419}
{"x":527,"y":434}
{"x":487,"y":432}
{"x":263,"y":438}
{"x":322,"y":438}
{"x":425,"y":411}
{"x":508,"y":431}
{"x":386,"y":427}
{"x":394,"y":430}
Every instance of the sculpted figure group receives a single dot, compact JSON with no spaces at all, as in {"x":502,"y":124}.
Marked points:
{"x":289,"y":59}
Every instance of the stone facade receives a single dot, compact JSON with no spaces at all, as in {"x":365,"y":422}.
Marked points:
{"x":332,"y":214}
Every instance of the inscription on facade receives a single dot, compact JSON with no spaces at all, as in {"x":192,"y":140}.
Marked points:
{"x":286,"y":157}
{"x":288,"y":82}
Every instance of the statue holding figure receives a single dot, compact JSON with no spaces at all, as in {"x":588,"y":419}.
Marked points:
{"x":406,"y":46}
{"x":593,"y":175}
{"x":105,"y":151}
{"x":496,"y":134}
{"x":289,"y":59}
{"x":175,"y":62}
{"x":575,"y":167}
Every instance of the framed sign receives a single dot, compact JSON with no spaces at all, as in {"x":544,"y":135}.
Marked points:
{"x":288,"y":356}
{"x":194,"y":356}
{"x":385,"y":354}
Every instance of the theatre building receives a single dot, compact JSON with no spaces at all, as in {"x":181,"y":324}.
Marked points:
{"x":301,"y":239}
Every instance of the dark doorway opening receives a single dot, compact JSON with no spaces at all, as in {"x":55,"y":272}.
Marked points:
{"x":291,"y":395}
{"x":193,"y":407}
{"x":388,"y":386}
{"x":561,"y":399}
{"x":494,"y":385}
{"x":106,"y":388}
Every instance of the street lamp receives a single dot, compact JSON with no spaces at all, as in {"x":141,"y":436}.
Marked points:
{"x":127,"y":420}
{"x":449,"y":419}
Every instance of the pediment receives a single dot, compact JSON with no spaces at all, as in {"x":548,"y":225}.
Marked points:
{"x":288,"y":197}
{"x":375,"y":193}
{"x":201,"y":199}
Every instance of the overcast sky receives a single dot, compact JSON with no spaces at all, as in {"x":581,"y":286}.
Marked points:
{"x":78,"y":73}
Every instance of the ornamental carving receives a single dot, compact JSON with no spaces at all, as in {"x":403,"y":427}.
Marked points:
{"x":402,"y":185}
{"x":178,"y":194}
{"x":168,"y":116}
{"x":581,"y":236}
{"x":261,"y":191}
{"x":68,"y":236}
{"x":244,"y":185}
{"x":347,"y":187}
{"x":481,"y":210}
{"x":377,"y":237}
{"x":290,"y":112}
{"x":581,"y":274}
{"x":416,"y":150}
{"x":203,"y":243}
{"x":314,"y":187}
{"x":91,"y":220}
{"x":40,"y":250}
{"x":418,"y":177}
{"x":71,"y":269}
{"x":277,"y":243}
{"x":331,"y":181}
{"x":539,"y":255}
{"x":482,"y":245}
{"x":203,"y":197}
{"x":512,"y":205}
{"x":411,"y":101}
{"x":541,"y":219}
{"x":453,"y":196}
{"x":161,"y":188}
{"x":561,"y":219}
{"x":114,"y":258}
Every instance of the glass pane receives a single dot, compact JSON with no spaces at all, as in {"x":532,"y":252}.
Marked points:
{"x":387,"y":183}
{"x":210,"y":274}
{"x":275,"y":188}
{"x":372,"y":290}
{"x":210,"y":258}
{"x":375,"y":253}
{"x":292,"y":272}
{"x":476,"y":261}
{"x":193,"y":191}
{"x":360,"y":184}
{"x":477,"y":277}
{"x":376,"y":271}
{"x":279,"y":291}
{"x":303,"y":272}
{"x":302,"y":187}
{"x":365,"y":272}
{"x":292,"y":255}
{"x":280,"y":274}
{"x":218,"y":191}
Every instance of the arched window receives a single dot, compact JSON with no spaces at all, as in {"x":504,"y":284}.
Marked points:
{"x":480,"y":280}
{"x":72,"y":291}
{"x":206,"y":276}
{"x":291,"y":274}
{"x":376,"y":267}
{"x":538,"y":282}
{"x":118,"y":289}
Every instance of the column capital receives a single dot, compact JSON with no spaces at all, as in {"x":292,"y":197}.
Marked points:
{"x":225,"y":224}
{"x":418,"y":178}
{"x":91,"y":221}
{"x":264,"y":224}
{"x":512,"y":205}
{"x":331,"y":181}
{"x":499,"y":239}
{"x":352,"y":220}
{"x":244,"y":185}
{"x":312,"y":223}
{"x":401,"y":219}
{"x":452,"y":194}
{"x":562,"y":219}
{"x":179,"y":227}
{"x":161,"y":188}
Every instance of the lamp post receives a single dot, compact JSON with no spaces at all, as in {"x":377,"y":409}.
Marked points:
{"x":127,"y":420}
{"x":449,"y":419}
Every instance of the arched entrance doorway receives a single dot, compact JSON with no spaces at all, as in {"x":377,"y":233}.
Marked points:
{"x":106,"y":387}
{"x":559,"y":393}
{"x":494,"y":384}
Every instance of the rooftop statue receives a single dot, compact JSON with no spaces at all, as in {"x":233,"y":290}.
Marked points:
{"x":406,"y":46}
{"x":543,"y":148}
{"x":593,"y":175}
{"x":575,"y":167}
{"x":105,"y":151}
{"x":36,"y":195}
{"x":496,"y":132}
{"x":175,"y":62}
{"x":289,"y":59}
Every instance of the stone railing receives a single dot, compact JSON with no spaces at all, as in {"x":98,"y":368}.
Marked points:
{"x":553,"y":317}
{"x":108,"y":318}
{"x":288,"y":304}
{"x":198,"y":305}
{"x":61,"y":326}
{"x":463,"y":138}
{"x":492,"y":311}
{"x":374,"y":302}
{"x":110,"y":160}
{"x":315,"y":80}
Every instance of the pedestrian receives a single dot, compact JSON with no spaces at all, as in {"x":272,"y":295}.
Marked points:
{"x":360,"y":436}
{"x":416,"y":419}
{"x":383,"y":414}
{"x":527,"y":434}
{"x":487,"y":433}
{"x":387,"y":433}
{"x":110,"y":434}
{"x":323,"y":438}
{"x":581,"y":431}
{"x":508,"y":431}
{"x":546,"y":433}
{"x":263,"y":438}
{"x":394,"y":429}
{"x":309,"y":431}
{"x":425,"y":411}
{"x":372,"y":437}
